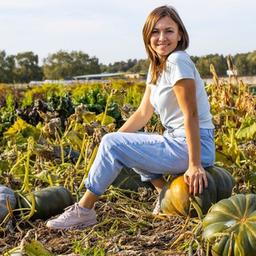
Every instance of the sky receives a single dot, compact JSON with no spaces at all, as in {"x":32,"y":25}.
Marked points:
{"x":111,"y":29}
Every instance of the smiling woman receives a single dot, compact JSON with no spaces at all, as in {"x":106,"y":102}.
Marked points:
{"x":176,"y":92}
{"x":163,"y":33}
{"x":165,"y":36}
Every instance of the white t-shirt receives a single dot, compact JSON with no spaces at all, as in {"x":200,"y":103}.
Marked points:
{"x":178,"y":66}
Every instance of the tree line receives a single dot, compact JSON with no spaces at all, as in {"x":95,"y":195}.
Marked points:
{"x":24,"y":67}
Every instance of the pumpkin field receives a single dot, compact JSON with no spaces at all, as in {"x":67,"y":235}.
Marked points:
{"x":49,"y":136}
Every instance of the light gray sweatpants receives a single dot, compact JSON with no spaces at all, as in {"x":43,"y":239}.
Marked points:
{"x":150,"y":155}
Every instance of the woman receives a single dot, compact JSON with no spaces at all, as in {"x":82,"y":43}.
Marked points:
{"x":176,"y":92}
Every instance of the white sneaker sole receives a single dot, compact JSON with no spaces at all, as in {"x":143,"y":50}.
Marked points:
{"x":75,"y":227}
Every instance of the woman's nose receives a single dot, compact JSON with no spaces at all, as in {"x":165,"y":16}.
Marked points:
{"x":162,"y":36}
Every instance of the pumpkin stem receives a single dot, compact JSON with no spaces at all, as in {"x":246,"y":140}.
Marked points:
{"x":196,"y":206}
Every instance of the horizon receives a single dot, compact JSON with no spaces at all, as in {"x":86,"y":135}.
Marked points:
{"x":107,"y":64}
{"x":106,"y":31}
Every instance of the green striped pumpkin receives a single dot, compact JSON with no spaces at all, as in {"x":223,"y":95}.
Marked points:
{"x":230,"y":226}
{"x":49,"y":201}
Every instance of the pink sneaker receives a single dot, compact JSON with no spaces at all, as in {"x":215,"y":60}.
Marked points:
{"x":74,"y":217}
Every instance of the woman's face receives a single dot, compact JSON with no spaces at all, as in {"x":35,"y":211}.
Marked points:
{"x":165,"y":36}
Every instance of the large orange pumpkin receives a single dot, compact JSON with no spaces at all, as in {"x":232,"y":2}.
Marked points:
{"x":175,"y":196}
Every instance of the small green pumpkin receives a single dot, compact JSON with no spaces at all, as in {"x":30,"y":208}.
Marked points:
{"x":230,"y":226}
{"x":6,"y":194}
{"x":49,"y":202}
{"x":175,"y":196}
{"x":128,"y":179}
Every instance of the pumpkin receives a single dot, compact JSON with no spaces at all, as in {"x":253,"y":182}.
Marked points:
{"x":128,"y":179}
{"x":230,"y":226}
{"x":175,"y":196}
{"x":6,"y":194}
{"x":49,"y":202}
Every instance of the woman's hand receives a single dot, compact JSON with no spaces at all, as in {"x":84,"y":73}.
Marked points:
{"x":196,"y":179}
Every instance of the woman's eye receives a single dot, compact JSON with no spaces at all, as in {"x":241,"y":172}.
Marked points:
{"x":154,"y":32}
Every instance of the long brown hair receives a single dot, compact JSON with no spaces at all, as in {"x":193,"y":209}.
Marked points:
{"x":157,"y":65}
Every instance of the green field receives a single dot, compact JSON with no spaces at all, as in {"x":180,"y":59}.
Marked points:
{"x":49,"y":136}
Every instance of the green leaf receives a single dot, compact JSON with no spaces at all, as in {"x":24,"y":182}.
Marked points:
{"x":88,"y":117}
{"x":107,"y":119}
{"x":35,"y":248}
{"x":4,"y":165}
{"x":75,"y":139}
{"x":220,"y":157}
{"x":247,"y":131}
{"x":20,"y":127}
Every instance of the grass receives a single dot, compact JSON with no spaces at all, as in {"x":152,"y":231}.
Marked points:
{"x":125,"y":227}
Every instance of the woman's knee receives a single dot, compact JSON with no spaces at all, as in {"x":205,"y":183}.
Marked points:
{"x":110,"y":140}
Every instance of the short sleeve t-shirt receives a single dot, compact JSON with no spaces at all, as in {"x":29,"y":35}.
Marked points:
{"x":178,"y":66}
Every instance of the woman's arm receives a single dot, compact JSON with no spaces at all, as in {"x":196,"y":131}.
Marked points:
{"x":141,"y":116}
{"x":195,"y":176}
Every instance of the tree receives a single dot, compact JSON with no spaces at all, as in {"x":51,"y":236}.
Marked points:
{"x":65,"y":65}
{"x":7,"y":64}
{"x":26,"y":67}
{"x":120,"y":66}
{"x":140,"y":67}
{"x":241,"y":64}
{"x":251,"y":59}
{"x":203,"y":64}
